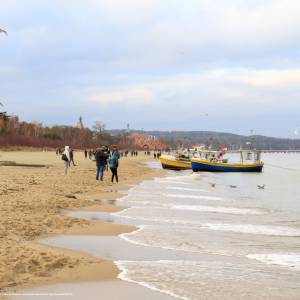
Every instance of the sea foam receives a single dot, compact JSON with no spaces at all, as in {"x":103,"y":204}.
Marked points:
{"x":254,"y":229}
{"x":124,"y":275}
{"x":202,"y":197}
{"x":291,"y":260}
{"x":179,"y":188}
{"x":173,"y":181}
{"x":218,"y":209}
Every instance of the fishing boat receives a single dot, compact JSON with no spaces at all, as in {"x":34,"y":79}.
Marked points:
{"x":250,"y":162}
{"x":173,"y":162}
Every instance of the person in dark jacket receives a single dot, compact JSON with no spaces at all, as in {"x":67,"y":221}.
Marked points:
{"x":72,"y":157}
{"x":101,"y":162}
{"x":114,"y":164}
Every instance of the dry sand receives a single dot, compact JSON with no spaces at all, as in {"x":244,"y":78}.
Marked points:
{"x":32,"y":200}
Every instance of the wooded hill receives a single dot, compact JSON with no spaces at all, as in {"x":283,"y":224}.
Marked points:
{"x":234,"y":141}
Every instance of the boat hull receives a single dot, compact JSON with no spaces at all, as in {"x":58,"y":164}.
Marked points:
{"x":171,"y":163}
{"x":202,"y":165}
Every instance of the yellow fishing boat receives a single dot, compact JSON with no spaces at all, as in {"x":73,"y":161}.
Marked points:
{"x":175,"y":163}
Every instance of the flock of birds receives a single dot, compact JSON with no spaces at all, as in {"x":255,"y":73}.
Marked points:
{"x":259,"y":186}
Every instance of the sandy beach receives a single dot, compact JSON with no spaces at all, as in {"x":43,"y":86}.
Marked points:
{"x":33,"y":199}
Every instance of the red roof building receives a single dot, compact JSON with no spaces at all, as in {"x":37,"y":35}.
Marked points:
{"x":147,"y":141}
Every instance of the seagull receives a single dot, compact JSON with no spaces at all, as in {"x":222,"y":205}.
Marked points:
{"x":261,"y":187}
{"x":213,"y":184}
{"x":233,"y":186}
{"x":4,"y":31}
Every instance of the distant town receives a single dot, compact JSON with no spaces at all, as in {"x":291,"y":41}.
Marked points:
{"x":14,"y":132}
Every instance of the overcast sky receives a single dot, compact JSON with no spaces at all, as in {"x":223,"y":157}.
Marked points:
{"x":227,"y":65}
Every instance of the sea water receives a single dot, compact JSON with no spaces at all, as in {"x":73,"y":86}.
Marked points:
{"x":253,"y":233}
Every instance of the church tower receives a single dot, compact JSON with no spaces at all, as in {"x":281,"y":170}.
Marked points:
{"x":80,"y":124}
{"x":127,"y":130}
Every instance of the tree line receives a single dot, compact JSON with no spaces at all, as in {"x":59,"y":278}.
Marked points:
{"x":14,"y":132}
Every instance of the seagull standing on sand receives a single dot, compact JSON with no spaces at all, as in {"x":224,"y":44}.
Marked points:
{"x":4,"y":31}
{"x":233,"y":186}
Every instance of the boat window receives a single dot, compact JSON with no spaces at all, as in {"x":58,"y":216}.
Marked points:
{"x":249,"y":155}
{"x":257,"y":156}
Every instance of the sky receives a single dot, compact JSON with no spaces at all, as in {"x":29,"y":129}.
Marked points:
{"x":223,"y":65}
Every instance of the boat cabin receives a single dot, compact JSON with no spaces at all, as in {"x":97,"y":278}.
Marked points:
{"x":250,"y":156}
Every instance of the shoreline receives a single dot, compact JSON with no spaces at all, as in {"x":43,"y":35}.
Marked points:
{"x":69,"y":266}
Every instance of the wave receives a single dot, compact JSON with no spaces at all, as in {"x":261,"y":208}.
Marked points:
{"x":161,"y":220}
{"x":291,"y":260}
{"x":254,"y":229}
{"x":124,"y":275}
{"x":132,"y":237}
{"x":179,"y":177}
{"x":185,"y":189}
{"x":202,"y":197}
{"x":173,"y":181}
{"x":219,"y":209}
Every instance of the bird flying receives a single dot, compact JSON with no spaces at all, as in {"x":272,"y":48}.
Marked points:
{"x":4,"y":31}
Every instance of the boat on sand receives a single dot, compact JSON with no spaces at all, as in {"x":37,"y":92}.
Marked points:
{"x":172,"y":162}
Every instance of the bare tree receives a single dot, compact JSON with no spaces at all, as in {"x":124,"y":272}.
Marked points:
{"x":98,"y":126}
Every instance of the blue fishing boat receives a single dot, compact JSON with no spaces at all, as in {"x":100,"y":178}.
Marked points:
{"x":250,"y":162}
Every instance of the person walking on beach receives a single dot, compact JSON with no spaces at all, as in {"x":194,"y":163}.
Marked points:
{"x":72,"y":157}
{"x":101,"y":162}
{"x":85,"y":153}
{"x":66,"y":158}
{"x":114,"y":163}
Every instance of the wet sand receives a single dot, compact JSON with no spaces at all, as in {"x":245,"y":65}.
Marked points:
{"x":33,"y":201}
{"x":108,"y":290}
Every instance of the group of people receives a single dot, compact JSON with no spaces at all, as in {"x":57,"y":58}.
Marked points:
{"x":89,"y":153}
{"x":104,"y":159}
{"x":134,"y":153}
{"x":156,"y":155}
{"x":67,"y":157}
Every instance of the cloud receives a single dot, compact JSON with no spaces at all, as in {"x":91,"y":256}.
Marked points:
{"x":124,"y":56}
{"x":137,"y":95}
{"x":273,"y":78}
{"x":130,"y":34}
{"x":216,"y":87}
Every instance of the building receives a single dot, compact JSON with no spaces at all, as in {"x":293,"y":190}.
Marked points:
{"x":80,"y":123}
{"x":127,"y":130}
{"x":145,"y":141}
